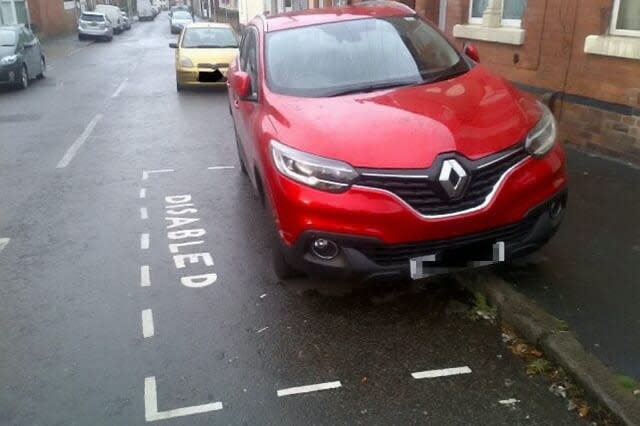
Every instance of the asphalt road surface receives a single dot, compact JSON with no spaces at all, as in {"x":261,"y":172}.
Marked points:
{"x":102,"y":322}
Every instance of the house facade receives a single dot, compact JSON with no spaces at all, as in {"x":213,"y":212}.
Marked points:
{"x":585,"y":52}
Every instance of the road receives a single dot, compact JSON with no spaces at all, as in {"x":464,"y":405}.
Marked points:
{"x":103,"y":322}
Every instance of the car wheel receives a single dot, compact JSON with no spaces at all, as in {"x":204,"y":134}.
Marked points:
{"x":110,"y":38}
{"x":23,"y":83}
{"x":43,"y":68}
{"x":80,"y":37}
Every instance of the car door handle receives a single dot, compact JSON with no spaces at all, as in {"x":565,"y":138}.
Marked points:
{"x":236,"y":103}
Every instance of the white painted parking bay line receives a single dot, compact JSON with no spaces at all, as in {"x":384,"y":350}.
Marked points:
{"x":144,"y":241}
{"x":144,"y":214}
{"x":152,"y":414}
{"x":431,"y":374}
{"x":309,"y":388}
{"x":3,"y":243}
{"x":147,"y":323}
{"x":143,"y":193}
{"x":146,"y":173}
{"x":145,"y":276}
{"x":221,"y":167}
{"x":119,"y":89}
{"x":73,"y":149}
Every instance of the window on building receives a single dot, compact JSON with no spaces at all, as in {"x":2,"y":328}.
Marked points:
{"x":626,"y":18}
{"x":512,"y":11}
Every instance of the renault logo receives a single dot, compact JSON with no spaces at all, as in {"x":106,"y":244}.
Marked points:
{"x":453,"y":178}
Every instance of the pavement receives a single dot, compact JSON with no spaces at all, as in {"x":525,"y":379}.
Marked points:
{"x":103,"y":322}
{"x":589,"y":273}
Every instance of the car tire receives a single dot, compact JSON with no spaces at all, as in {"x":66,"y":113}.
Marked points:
{"x":243,"y":166}
{"x":23,"y":83}
{"x":110,"y":38}
{"x":281,"y":267}
{"x":80,"y":37}
{"x":43,"y":69}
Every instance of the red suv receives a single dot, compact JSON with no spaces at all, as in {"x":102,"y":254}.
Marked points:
{"x":384,"y":152}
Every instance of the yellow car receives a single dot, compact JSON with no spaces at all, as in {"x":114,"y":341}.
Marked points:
{"x":203,"y":53}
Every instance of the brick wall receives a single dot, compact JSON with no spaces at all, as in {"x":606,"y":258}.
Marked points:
{"x":50,"y":17}
{"x":553,"y":58}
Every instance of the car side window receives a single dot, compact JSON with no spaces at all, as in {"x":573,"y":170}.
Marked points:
{"x":249,"y":59}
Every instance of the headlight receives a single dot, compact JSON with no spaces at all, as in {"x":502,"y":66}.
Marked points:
{"x":318,"y":172}
{"x":543,"y":136}
{"x":8,"y":60}
{"x":185,"y":62}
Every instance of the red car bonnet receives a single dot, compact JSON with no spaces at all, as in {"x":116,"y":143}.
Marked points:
{"x":476,"y":114}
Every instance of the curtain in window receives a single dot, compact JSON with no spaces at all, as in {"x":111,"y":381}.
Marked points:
{"x":514,"y":9}
{"x":629,"y":15}
{"x":478,"y":7}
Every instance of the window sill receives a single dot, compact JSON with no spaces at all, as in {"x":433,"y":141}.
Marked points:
{"x":607,"y":45}
{"x":504,"y":35}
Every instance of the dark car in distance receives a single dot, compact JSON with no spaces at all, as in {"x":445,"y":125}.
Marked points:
{"x":21,"y":57}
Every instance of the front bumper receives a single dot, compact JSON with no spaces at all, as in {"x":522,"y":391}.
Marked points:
{"x":201,"y":76}
{"x":366,"y":259}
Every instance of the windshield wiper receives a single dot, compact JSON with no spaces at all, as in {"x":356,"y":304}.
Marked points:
{"x":370,"y":88}
{"x":441,"y":76}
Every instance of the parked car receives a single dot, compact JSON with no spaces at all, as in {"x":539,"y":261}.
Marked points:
{"x":21,"y":57}
{"x":145,"y":11}
{"x":178,"y":20}
{"x":179,"y":7}
{"x":96,"y":25}
{"x":203,"y":53}
{"x":396,"y":155}
{"x":126,"y":20}
{"x":115,"y":16}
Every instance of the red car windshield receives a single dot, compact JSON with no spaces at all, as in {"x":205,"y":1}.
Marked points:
{"x":358,"y":56}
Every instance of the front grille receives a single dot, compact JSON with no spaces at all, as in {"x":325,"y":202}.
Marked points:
{"x":466,"y":246}
{"x":425,"y":193}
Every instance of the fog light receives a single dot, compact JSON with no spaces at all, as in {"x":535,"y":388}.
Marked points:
{"x":556,"y":209}
{"x":324,"y":249}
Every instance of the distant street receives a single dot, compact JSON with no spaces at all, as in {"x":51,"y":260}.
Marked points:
{"x":111,"y":184}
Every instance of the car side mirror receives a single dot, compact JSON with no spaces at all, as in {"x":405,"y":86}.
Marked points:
{"x":173,"y":45}
{"x":471,"y":51}
{"x":240,"y":82}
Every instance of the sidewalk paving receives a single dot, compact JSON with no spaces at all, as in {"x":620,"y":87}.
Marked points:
{"x":589,"y":274}
{"x":62,"y":46}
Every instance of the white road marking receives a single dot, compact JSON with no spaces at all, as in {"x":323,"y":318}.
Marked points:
{"x":262,"y":329}
{"x":309,"y":388}
{"x":152,"y":414}
{"x":147,"y":323}
{"x":430,"y":374}
{"x":510,"y":401}
{"x":221,"y":167}
{"x":144,"y":241}
{"x":143,"y":193}
{"x":119,"y":89}
{"x":146,"y":173}
{"x":73,"y":149}
{"x":145,"y":276}
{"x":144,"y":214}
{"x":3,"y":243}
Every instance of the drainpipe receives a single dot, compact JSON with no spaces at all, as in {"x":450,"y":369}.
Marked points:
{"x":26,"y":5}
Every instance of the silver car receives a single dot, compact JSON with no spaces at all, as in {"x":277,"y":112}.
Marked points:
{"x":95,"y":25}
{"x":178,"y":20}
